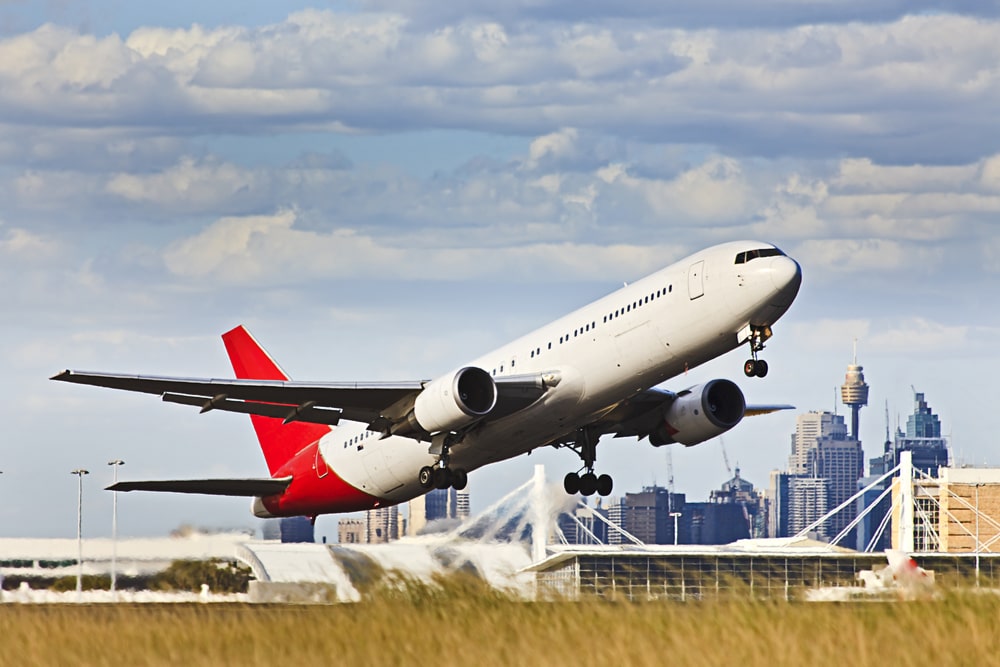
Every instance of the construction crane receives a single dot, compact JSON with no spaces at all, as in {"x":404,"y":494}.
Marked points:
{"x":725,"y":457}
{"x":670,"y":479}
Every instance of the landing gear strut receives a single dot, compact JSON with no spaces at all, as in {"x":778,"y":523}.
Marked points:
{"x":440,"y":476}
{"x":588,"y":483}
{"x":754,"y":366}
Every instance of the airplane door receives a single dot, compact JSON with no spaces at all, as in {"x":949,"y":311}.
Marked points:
{"x":319,"y":465}
{"x":696,"y":284}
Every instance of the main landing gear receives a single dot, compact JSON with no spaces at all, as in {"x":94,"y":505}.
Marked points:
{"x":440,"y":476}
{"x":588,"y":483}
{"x":754,"y":366}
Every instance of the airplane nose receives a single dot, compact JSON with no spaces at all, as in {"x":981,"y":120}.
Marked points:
{"x":786,"y":275}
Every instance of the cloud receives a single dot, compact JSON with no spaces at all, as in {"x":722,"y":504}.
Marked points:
{"x":917,"y":335}
{"x":260,"y":250}
{"x":685,"y":13}
{"x":919,"y":88}
{"x":22,"y":246}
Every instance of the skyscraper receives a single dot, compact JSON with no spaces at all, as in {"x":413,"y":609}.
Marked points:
{"x":809,"y":428}
{"x":776,"y":504}
{"x":438,"y":505}
{"x":808,"y":500}
{"x":922,"y":438}
{"x":382,"y":525}
{"x":824,"y":468}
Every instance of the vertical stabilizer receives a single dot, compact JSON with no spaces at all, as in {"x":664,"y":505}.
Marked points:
{"x":278,"y":441}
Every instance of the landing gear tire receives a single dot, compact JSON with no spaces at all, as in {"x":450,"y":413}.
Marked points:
{"x":588,"y":483}
{"x":760,"y":368}
{"x":442,"y":478}
{"x":604,"y":485}
{"x":426,"y":477}
{"x":750,"y":368}
{"x":571,"y":483}
{"x":459,"y":479}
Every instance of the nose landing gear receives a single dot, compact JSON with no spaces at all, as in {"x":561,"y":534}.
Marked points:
{"x":754,"y":366}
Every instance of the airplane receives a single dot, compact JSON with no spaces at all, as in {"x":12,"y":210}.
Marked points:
{"x":350,"y":446}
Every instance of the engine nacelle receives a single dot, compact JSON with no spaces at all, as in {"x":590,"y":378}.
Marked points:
{"x":701,"y":413}
{"x":452,"y":401}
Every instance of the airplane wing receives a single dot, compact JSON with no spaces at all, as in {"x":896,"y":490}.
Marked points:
{"x":643,"y":413}
{"x":754,"y":410}
{"x":214,"y":487}
{"x":320,"y":403}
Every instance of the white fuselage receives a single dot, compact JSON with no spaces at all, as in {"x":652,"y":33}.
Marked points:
{"x":635,"y":338}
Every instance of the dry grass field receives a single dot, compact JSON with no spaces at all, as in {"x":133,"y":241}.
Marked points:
{"x":465,"y":625}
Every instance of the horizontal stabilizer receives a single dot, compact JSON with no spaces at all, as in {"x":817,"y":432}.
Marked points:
{"x":754,"y":410}
{"x":212,"y":487}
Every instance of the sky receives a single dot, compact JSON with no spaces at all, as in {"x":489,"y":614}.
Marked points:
{"x":382,"y":190}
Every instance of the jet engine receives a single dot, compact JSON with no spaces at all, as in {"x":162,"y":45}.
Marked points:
{"x":452,"y":401}
{"x":700,"y":413}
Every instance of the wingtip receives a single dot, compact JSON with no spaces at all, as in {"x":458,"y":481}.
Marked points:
{"x":62,"y":375}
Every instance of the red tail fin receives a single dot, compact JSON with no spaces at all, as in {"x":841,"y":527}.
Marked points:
{"x":278,"y":441}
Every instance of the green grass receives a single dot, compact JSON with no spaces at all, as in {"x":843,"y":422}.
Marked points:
{"x":463,"y":624}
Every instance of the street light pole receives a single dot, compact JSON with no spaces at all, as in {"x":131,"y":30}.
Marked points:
{"x":114,"y":530}
{"x":79,"y":472}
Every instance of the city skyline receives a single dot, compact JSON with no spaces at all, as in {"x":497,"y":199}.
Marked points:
{"x":381,"y":190}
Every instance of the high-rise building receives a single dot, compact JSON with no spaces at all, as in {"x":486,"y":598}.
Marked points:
{"x":463,"y":504}
{"x":647,"y":515}
{"x":350,"y":531}
{"x":841,"y":462}
{"x":809,"y":428}
{"x":822,"y":450}
{"x":929,"y":453}
{"x":437,"y":505}
{"x":616,"y":515}
{"x":922,"y":437}
{"x":740,"y":493}
{"x":776,"y":504}
{"x":382,"y":525}
{"x":808,"y":500}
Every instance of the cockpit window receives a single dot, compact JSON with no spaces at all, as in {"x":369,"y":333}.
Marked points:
{"x":744,"y":257}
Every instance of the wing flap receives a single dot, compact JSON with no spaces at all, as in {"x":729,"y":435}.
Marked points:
{"x":308,"y":412}
{"x":212,"y":487}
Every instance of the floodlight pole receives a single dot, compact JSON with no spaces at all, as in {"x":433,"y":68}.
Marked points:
{"x":114,"y":530}
{"x":676,"y":515}
{"x":79,"y":472}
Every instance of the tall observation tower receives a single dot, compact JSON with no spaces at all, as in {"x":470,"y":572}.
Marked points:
{"x":854,"y":391}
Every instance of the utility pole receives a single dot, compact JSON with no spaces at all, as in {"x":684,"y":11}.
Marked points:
{"x":79,"y":472}
{"x":114,"y":531}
